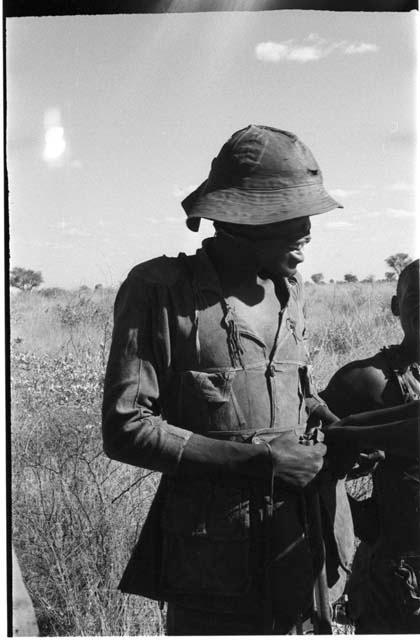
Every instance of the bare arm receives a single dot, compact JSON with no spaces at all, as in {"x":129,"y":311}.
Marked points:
{"x":394,"y":430}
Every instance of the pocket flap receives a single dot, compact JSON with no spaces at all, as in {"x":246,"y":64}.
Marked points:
{"x":214,"y":387}
{"x":203,"y":509}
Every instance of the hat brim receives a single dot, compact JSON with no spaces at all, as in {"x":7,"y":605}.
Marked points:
{"x":255,"y":207}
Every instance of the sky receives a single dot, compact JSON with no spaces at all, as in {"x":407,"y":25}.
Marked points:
{"x":113,"y":119}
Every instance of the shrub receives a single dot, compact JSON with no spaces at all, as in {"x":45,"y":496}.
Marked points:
{"x":350,"y":277}
{"x":25,"y":279}
{"x":317,"y":278}
{"x":397,"y":262}
{"x":70,"y":503}
{"x":52,"y":292}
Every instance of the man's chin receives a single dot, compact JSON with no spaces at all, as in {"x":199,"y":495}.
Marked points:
{"x":289,"y":272}
{"x":282,"y":271}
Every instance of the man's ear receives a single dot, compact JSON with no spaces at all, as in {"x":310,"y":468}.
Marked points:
{"x":395,"y":306}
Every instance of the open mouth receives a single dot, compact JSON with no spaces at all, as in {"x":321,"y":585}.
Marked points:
{"x":296,"y":254}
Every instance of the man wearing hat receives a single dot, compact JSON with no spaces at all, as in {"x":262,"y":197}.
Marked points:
{"x":208,"y":382}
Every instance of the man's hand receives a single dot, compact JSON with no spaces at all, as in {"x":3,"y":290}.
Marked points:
{"x":366,"y":463}
{"x":294,"y":463}
{"x":342,"y":454}
{"x":321,"y":416}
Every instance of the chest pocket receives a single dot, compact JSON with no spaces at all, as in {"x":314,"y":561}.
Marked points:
{"x":207,"y":401}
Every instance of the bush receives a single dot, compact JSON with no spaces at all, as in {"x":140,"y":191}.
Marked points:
{"x":76,"y":514}
{"x":52,"y":292}
{"x":25,"y":279}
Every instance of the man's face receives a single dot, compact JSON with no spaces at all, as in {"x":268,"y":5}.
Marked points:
{"x":279,"y":246}
{"x":408,"y":307}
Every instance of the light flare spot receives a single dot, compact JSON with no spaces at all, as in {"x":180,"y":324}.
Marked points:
{"x":54,"y":138}
{"x":55,"y":144}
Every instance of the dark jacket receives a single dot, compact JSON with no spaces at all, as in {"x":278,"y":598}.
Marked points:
{"x":181,"y":362}
{"x":392,"y":514}
{"x":384,"y":587}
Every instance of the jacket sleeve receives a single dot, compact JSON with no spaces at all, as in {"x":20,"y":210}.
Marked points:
{"x":133,"y":429}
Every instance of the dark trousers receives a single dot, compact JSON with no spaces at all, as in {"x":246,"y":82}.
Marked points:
{"x":182,"y":621}
{"x":391,"y":595}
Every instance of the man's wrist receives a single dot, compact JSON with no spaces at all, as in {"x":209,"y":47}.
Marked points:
{"x":264,"y":459}
{"x":203,"y":455}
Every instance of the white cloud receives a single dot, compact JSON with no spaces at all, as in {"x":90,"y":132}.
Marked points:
{"x":400,"y":213}
{"x":372,"y":214}
{"x":310,"y":49}
{"x":360,"y":47}
{"x":271,"y":51}
{"x":339,"y":224}
{"x":181,"y":192}
{"x":400,"y":186}
{"x":343,"y":193}
{"x":278,"y":51}
{"x":304,"y":54}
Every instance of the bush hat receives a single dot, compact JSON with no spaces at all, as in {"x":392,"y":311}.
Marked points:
{"x":261,"y":175}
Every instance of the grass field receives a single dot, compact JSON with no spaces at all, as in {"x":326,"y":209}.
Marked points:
{"x":76,"y":514}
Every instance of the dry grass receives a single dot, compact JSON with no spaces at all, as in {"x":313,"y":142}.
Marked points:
{"x":347,"y":322}
{"x":74,"y":522}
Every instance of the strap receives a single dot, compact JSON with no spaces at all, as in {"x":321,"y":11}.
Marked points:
{"x":391,"y":356}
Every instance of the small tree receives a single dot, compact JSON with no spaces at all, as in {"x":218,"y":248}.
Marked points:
{"x":369,"y":278}
{"x":398,"y":261}
{"x":317,"y":278}
{"x":25,"y":279}
{"x":350,"y":277}
{"x":332,"y":280}
{"x":390,"y":276}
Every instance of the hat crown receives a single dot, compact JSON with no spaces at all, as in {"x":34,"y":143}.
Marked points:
{"x":263,"y":157}
{"x":261,"y":175}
